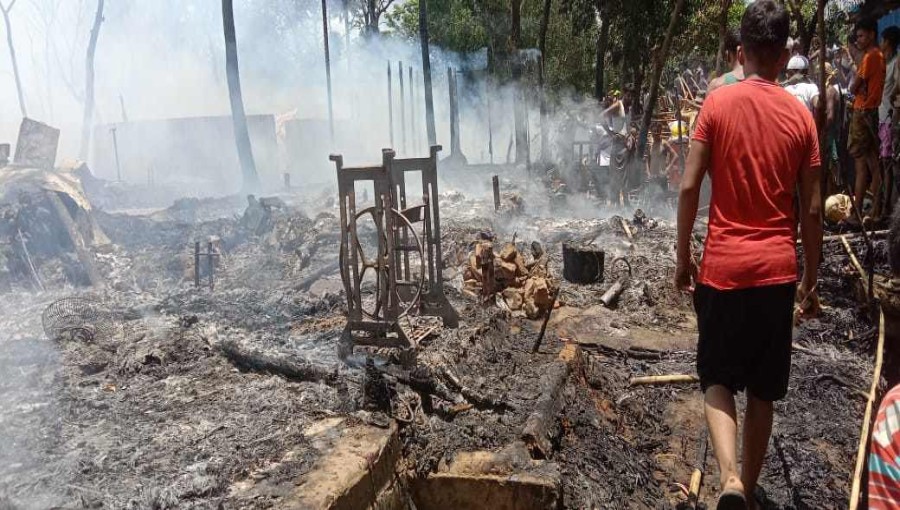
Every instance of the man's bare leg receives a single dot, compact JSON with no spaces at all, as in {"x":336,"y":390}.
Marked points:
{"x":875,"y":172}
{"x":757,"y":430}
{"x":862,"y":183}
{"x":721,"y":417}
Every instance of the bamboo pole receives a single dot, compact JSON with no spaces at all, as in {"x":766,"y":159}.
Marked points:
{"x":663,"y":379}
{"x":856,"y":265}
{"x":837,"y":237}
{"x":867,"y":420}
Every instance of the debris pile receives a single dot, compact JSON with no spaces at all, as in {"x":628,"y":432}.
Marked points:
{"x":523,"y":287}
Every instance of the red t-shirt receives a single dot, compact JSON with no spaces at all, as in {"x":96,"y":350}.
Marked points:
{"x":760,"y":138}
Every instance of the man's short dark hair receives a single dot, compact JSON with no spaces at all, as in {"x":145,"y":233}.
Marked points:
{"x":891,"y":34}
{"x":764,"y":29}
{"x":732,"y":40}
{"x":867,"y":24}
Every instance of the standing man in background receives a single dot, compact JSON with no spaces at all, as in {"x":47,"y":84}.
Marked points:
{"x":890,"y":38}
{"x":863,"y":144}
{"x":798,"y":83}
{"x":736,"y":74}
{"x":760,"y":146}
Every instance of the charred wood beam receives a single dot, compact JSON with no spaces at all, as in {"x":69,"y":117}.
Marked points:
{"x":317,"y":275}
{"x":441,"y":383}
{"x":541,"y":426}
{"x":296,"y":369}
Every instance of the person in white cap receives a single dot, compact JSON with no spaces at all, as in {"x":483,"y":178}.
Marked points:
{"x":798,"y":83}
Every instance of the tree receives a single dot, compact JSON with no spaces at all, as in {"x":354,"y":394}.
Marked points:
{"x":803,"y":14}
{"x":5,"y":10}
{"x":519,"y":114}
{"x":87,"y":123}
{"x":241,"y":134}
{"x":542,"y":45}
{"x":723,"y":29}
{"x":368,"y":13}
{"x":657,"y":74}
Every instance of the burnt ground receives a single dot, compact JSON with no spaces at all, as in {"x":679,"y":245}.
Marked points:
{"x":149,"y":412}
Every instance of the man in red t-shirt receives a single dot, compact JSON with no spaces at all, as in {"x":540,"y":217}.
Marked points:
{"x":759,"y":145}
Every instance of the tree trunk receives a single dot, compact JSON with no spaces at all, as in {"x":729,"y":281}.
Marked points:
{"x":87,"y":121}
{"x":723,"y":30}
{"x":600,"y":69}
{"x":241,"y":134}
{"x":328,"y":73}
{"x":371,"y":20}
{"x":12,"y":56}
{"x":657,"y":74}
{"x":519,"y":111}
{"x":426,"y":72}
{"x":542,"y":43}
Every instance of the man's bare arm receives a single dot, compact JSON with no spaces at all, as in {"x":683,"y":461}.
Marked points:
{"x":810,"y":225}
{"x":689,"y":198}
{"x":831,"y":99}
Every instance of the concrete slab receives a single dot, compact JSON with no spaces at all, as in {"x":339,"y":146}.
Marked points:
{"x":504,"y":480}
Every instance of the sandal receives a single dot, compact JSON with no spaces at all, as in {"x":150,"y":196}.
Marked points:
{"x":732,"y":500}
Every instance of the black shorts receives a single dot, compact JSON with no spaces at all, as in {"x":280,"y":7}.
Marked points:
{"x":745,"y":338}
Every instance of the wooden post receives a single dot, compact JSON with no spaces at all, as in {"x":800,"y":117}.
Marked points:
{"x":402,"y":107}
{"x":197,"y":264}
{"x":390,"y":98}
{"x":496,"y":183}
{"x":211,"y":263}
{"x":116,"y":151}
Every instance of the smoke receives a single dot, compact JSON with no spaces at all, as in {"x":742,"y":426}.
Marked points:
{"x":165,"y":60}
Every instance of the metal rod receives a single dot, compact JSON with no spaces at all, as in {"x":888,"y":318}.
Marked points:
{"x":328,"y":71}
{"x":390,"y":105}
{"x":116,"y":150}
{"x":537,"y":343}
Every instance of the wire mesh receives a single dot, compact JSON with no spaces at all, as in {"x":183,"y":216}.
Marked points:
{"x":77,"y":319}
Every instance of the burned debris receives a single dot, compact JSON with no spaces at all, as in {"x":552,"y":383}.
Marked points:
{"x":294,"y":308}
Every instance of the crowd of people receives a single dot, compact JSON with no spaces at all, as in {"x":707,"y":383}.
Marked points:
{"x":862,"y":142}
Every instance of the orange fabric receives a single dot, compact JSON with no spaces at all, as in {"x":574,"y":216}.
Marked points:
{"x":760,"y":139}
{"x":872,"y":70}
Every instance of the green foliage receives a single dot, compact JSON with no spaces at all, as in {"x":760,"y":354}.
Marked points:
{"x":637,"y":29}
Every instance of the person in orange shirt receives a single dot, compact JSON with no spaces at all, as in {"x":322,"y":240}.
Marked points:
{"x":863,"y":142}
